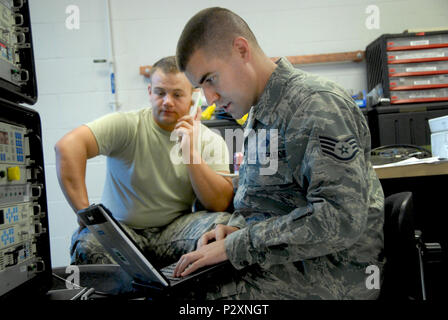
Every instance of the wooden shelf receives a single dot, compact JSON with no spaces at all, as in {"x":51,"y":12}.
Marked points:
{"x":353,"y":56}
{"x":144,"y":70}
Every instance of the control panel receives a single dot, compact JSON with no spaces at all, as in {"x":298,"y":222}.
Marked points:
{"x":12,"y":37}
{"x":17,"y":70}
{"x":25,"y":264}
{"x":21,"y":214}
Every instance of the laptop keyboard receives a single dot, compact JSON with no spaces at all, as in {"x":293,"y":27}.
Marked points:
{"x":168,"y":273}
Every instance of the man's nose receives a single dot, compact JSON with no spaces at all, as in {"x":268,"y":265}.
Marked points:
{"x":168,"y":100}
{"x":211,"y":96}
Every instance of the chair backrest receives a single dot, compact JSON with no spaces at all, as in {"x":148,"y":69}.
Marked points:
{"x":401,"y":269}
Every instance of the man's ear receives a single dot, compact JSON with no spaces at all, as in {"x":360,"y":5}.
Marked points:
{"x":149,"y":89}
{"x":242,"y":48}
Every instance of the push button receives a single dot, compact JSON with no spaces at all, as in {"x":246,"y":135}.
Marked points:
{"x":14,"y":174}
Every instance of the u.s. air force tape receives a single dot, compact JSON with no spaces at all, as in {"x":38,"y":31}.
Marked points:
{"x":342,"y":150}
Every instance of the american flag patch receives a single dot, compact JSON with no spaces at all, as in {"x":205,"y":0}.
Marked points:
{"x":343,"y":150}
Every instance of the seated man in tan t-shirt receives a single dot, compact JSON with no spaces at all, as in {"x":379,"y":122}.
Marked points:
{"x":147,"y":188}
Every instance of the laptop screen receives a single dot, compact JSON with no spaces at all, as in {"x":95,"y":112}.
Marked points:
{"x":120,"y":245}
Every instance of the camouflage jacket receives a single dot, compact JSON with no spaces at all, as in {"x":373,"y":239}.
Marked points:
{"x":308,"y":199}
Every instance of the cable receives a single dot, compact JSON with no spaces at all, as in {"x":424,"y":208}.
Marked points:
{"x":392,"y":149}
{"x":71,"y":283}
{"x":79,"y":294}
{"x":84,"y":295}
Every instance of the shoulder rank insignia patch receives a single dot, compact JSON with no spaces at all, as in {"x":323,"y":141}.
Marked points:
{"x":344,"y":150}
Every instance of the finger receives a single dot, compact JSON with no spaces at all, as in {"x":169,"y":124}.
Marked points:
{"x":180,"y":266}
{"x":220,"y":232}
{"x":188,"y":119}
{"x":180,"y":132}
{"x":193,"y":267}
{"x":202,"y":241}
{"x":183,"y":124}
{"x":183,"y":130}
{"x":184,"y":262}
{"x":177,"y":267}
{"x":206,"y":237}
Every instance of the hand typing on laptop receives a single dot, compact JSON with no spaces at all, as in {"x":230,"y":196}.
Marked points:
{"x":207,"y":253}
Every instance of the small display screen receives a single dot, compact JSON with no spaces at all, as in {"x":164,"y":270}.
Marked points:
{"x":4,"y":137}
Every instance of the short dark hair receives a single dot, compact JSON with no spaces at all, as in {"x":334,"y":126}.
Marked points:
{"x":167,"y":65}
{"x":212,"y":29}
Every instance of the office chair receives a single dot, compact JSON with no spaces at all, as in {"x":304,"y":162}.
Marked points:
{"x":401,"y":271}
{"x":404,"y":249}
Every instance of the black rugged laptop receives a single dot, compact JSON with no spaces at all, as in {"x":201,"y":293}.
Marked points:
{"x":128,"y":254}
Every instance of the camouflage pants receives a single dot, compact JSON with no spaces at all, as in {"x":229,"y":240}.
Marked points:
{"x":163,"y":245}
{"x":292,"y":282}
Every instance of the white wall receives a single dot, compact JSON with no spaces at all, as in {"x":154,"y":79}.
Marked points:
{"x":74,"y":90}
{"x":145,"y":31}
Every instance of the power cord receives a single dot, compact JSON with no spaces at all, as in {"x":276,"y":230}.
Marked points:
{"x":85,"y":293}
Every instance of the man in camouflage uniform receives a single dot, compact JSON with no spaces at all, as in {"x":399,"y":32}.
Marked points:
{"x":310,"y":228}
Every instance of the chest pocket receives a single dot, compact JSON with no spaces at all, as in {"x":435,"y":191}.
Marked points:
{"x":267,"y":170}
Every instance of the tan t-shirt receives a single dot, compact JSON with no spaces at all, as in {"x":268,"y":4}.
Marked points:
{"x":144,"y":187}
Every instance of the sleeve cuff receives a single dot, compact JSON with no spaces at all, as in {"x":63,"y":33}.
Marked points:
{"x":239,"y":249}
{"x":237,"y":220}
